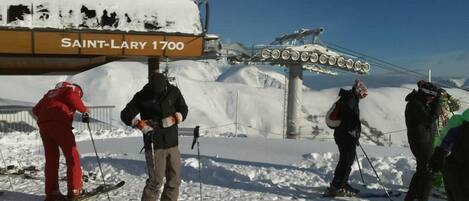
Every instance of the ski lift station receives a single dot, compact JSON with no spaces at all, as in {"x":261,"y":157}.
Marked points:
{"x":294,"y":52}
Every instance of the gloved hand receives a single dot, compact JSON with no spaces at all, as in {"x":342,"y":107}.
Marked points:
{"x":142,"y":126}
{"x":438,"y":160}
{"x":176,"y":118}
{"x":85,"y":117}
{"x":442,"y":92}
{"x":354,"y":133}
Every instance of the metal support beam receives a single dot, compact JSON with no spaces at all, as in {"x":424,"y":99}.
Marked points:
{"x":294,"y":101}
{"x":153,"y":66}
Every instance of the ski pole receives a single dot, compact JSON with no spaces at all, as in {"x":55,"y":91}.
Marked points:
{"x":4,"y":163}
{"x":152,"y":152}
{"x":196,"y":140}
{"x":97,"y":159}
{"x":377,"y":176}
{"x":360,"y":169}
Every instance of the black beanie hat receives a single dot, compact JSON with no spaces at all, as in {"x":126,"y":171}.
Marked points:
{"x":158,"y":83}
{"x":428,"y":88}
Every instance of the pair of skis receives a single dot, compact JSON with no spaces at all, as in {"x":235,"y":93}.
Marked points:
{"x":15,"y":171}
{"x":101,"y":189}
{"x":393,"y":194}
{"x":28,"y":173}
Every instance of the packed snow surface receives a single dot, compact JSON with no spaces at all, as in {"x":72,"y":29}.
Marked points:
{"x":231,"y":168}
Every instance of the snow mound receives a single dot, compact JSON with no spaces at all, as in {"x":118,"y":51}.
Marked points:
{"x":14,"y":103}
{"x":460,"y":82}
{"x":253,"y":76}
{"x":208,"y":70}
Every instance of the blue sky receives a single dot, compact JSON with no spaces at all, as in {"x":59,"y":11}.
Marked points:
{"x":412,"y":33}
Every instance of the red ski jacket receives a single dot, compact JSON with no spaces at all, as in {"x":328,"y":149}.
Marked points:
{"x":59,"y":105}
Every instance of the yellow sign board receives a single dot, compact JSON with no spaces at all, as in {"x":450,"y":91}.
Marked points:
{"x":120,"y":44}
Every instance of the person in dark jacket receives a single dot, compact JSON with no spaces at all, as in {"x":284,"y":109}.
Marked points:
{"x":421,"y":114}
{"x":161,"y":107}
{"x":346,"y":137}
{"x":451,"y":156}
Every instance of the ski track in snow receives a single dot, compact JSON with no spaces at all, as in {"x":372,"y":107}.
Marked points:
{"x":223,"y":177}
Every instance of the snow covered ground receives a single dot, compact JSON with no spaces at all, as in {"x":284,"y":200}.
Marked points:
{"x":257,"y":165}
{"x":232,"y":168}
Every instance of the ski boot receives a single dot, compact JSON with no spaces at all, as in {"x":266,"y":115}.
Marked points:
{"x":333,"y":191}
{"x":351,"y":189}
{"x":56,"y":196}
{"x":75,"y":195}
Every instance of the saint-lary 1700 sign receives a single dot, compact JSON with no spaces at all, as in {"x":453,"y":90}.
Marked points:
{"x":119,"y":44}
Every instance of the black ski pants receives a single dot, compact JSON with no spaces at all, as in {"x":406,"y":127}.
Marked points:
{"x":421,"y":184}
{"x":347,"y":152}
{"x":456,"y":183}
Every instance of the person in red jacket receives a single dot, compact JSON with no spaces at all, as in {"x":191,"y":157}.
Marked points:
{"x":54,"y":114}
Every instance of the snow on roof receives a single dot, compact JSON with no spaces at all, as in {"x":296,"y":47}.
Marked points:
{"x":212,"y":36}
{"x":317,"y":48}
{"x":174,"y":16}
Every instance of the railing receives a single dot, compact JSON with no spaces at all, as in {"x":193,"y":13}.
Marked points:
{"x":20,"y":119}
{"x":101,"y":119}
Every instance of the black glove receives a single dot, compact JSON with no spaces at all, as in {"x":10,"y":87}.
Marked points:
{"x":438,"y":160}
{"x":354,"y":133}
{"x":85,"y":117}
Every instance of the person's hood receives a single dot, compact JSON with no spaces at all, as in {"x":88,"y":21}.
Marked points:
{"x":411,"y":96}
{"x":465,"y":114}
{"x":158,"y":83}
{"x":343,"y":92}
{"x":347,"y":93}
{"x":148,"y":91}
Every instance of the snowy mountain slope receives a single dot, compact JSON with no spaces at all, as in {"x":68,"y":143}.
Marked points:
{"x":208,"y":70}
{"x":211,"y":89}
{"x":459,"y":82}
{"x":13,"y":103}
{"x":253,"y":76}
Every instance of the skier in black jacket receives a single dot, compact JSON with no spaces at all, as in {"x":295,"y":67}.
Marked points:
{"x":161,"y":107}
{"x":346,"y":137}
{"x":452,"y":155}
{"x":421,"y":114}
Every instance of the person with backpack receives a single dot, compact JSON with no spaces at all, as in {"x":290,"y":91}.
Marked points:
{"x":54,"y":114}
{"x":161,"y":107}
{"x":451,"y":156}
{"x":421,"y":114}
{"x":346,"y":136}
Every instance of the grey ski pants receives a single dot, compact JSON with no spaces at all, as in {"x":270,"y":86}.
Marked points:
{"x":164,"y":163}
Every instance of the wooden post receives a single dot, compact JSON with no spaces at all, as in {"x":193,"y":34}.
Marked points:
{"x":153,"y":66}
